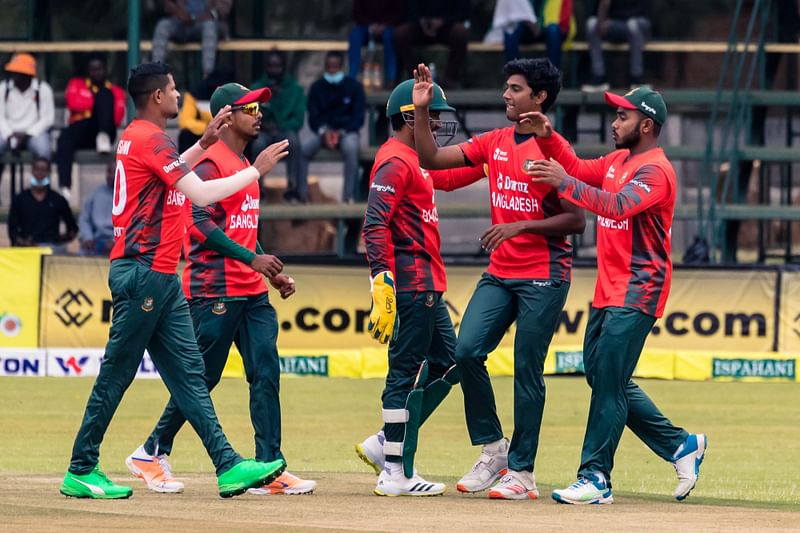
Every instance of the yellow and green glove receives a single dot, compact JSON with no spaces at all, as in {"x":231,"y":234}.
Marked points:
{"x":383,"y":319}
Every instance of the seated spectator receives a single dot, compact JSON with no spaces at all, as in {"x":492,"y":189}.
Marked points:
{"x":435,"y":21}
{"x":195,"y":112}
{"x":617,"y":21}
{"x":96,"y":109}
{"x":375,"y":20}
{"x":26,"y":109}
{"x":518,"y":22}
{"x":281,"y":117}
{"x":335,"y":115}
{"x":36,"y":214}
{"x":192,"y":20}
{"x":96,"y":228}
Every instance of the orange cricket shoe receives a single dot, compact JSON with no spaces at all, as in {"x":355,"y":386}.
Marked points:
{"x":154,"y":470}
{"x":287,"y":483}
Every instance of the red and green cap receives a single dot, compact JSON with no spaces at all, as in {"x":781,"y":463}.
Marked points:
{"x":643,"y":99}
{"x":236,"y":94}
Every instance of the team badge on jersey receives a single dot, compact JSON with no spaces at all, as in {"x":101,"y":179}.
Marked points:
{"x":147,"y":304}
{"x":219,"y":308}
{"x":429,"y":299}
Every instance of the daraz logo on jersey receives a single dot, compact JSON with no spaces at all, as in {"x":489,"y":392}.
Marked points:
{"x":610,"y":173}
{"x":500,"y":155}
{"x":172,"y":166}
{"x":249,"y":203}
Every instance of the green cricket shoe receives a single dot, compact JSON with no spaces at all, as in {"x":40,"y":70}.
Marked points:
{"x":249,"y":474}
{"x":93,"y":485}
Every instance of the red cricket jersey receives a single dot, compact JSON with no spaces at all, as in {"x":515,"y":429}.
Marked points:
{"x":514,"y":198}
{"x":634,"y":221}
{"x":209,"y":274}
{"x":401,"y":226}
{"x":147,"y":210}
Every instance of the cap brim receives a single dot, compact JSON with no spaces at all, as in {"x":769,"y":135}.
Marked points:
{"x":442,"y":108}
{"x":615,"y":100}
{"x":259,"y":95}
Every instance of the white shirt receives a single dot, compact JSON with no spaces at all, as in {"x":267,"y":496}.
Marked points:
{"x":18,"y":110}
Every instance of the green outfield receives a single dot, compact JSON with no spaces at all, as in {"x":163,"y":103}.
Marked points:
{"x":753,"y":431}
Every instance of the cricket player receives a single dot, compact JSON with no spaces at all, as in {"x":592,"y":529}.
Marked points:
{"x":527,"y":280}
{"x":150,"y":312}
{"x":228,"y":300}
{"x":401,"y":233}
{"x":632,"y":191}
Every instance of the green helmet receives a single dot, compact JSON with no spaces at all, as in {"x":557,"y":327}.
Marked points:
{"x":400,"y":101}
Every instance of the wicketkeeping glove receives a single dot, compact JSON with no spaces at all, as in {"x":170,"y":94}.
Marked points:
{"x":383,"y":319}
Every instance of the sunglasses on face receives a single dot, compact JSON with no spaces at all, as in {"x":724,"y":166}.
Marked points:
{"x":251,"y":109}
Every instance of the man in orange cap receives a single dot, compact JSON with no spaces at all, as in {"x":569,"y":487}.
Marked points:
{"x":26,"y":109}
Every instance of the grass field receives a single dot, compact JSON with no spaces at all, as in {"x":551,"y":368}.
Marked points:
{"x":750,"y":478}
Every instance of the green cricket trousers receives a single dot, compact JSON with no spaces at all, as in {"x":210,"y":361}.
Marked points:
{"x":252,"y":324}
{"x":150,"y":312}
{"x":535,"y":305}
{"x":612,"y":345}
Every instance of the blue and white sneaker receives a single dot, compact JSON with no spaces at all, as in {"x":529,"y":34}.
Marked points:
{"x":594,"y":489}
{"x":687,"y":461}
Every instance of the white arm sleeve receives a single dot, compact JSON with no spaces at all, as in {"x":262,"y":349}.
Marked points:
{"x":193,"y":154}
{"x":203,"y":193}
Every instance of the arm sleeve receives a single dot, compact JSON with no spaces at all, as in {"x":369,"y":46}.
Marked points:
{"x":455,"y":178}
{"x":384,"y":194}
{"x":165,"y":162}
{"x":75,"y":98}
{"x":648,"y":187}
{"x":591,"y":171}
{"x":47,"y":112}
{"x":227,"y":247}
{"x":259,"y":249}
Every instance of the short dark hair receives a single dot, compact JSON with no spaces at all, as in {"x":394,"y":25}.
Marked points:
{"x":335,"y":53}
{"x":397,"y":121}
{"x":44,"y":159}
{"x":540,"y":74}
{"x":146,"y":78}
{"x":276,"y":53}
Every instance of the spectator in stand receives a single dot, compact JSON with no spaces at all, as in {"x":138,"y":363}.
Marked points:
{"x":96,"y":228}
{"x":195,"y":112}
{"x":192,"y":20}
{"x":618,"y":21}
{"x":335,"y":115}
{"x":36,"y":214}
{"x":281,"y":117}
{"x":26,"y":109}
{"x":518,"y":22}
{"x":375,"y":20}
{"x":96,"y":109}
{"x":435,"y":21}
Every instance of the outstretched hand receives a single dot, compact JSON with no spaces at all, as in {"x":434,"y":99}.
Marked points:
{"x":539,"y":121}
{"x":549,"y":172}
{"x":422,"y":95}
{"x":216,"y":127}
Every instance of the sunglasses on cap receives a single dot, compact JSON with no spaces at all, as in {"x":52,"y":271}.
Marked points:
{"x":251,"y":109}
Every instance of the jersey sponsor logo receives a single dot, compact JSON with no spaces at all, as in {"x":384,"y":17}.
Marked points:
{"x":641,"y":185}
{"x":515,"y":203}
{"x":500,"y":155}
{"x":123,"y":147}
{"x":509,"y":184}
{"x":249,"y":203}
{"x":172,"y":166}
{"x":431,"y":216}
{"x":425,"y":173}
{"x":610,"y":173}
{"x":248,"y":221}
{"x":118,"y":231}
{"x":175,"y":198}
{"x":610,"y":223}
{"x":622,"y":178}
{"x":383,"y":188}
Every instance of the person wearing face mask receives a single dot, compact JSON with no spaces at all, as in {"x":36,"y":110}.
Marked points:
{"x":282,"y":117}
{"x":36,"y":214}
{"x":335,"y":115}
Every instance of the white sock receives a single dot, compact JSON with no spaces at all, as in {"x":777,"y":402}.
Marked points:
{"x":493,"y":448}
{"x":393,"y":469}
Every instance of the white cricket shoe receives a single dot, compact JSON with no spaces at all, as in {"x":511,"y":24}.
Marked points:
{"x":399,"y":485}
{"x":515,"y":486}
{"x":154,"y":470}
{"x":687,"y":464}
{"x":371,"y":452}
{"x":586,"y":491}
{"x":490,"y":466}
{"x":102,"y":143}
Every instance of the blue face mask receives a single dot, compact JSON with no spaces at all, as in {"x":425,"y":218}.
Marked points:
{"x":44,"y":182}
{"x":334,"y":79}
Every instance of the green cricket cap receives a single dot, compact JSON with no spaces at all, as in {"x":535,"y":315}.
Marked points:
{"x":643,"y":99}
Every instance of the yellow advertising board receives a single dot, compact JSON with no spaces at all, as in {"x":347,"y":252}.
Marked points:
{"x":790,"y":312}
{"x":19,"y":298}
